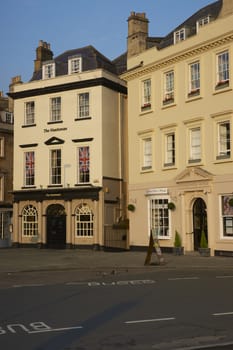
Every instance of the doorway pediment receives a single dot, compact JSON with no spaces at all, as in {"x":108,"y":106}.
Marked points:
{"x":193,"y":174}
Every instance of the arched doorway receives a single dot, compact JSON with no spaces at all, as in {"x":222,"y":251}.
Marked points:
{"x":199,"y":221}
{"x":56,"y":226}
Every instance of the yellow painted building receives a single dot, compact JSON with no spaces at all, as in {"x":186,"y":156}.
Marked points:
{"x":180,"y":130}
{"x":69,"y":172}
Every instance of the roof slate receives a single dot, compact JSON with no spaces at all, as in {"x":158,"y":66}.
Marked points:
{"x":211,"y":10}
{"x":91,"y":59}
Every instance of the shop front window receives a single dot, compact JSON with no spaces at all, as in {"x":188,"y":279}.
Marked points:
{"x":159,"y":217}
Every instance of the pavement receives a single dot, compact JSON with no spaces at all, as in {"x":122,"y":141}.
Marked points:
{"x":13,"y":260}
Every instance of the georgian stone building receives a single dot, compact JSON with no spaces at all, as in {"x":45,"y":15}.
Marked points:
{"x":6,"y":170}
{"x":180,"y":129}
{"x":69,"y":143}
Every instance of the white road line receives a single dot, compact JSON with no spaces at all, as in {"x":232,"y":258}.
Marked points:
{"x":76,"y":283}
{"x":183,"y":278}
{"x":223,"y":313}
{"x":151,"y":320}
{"x":28,"y":285}
{"x":55,"y":330}
{"x":224,"y":276}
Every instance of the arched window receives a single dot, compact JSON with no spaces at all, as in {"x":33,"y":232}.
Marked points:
{"x":84,"y":221}
{"x":29,"y":221}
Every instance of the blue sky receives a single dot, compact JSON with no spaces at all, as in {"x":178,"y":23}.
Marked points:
{"x":72,"y":24}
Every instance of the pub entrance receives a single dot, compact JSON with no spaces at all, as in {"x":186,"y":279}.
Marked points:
{"x":199,"y":221}
{"x":56,"y":226}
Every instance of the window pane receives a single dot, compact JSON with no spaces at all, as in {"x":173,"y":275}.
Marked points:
{"x":84,"y":221}
{"x":56,"y":109}
{"x":147,"y":153}
{"x":55,"y":166}
{"x":83,"y":164}
{"x":195,"y":76}
{"x":29,"y":169}
{"x":159,"y":217}
{"x":195,"y":144}
{"x":223,"y":66}
{"x":170,"y":149}
{"x":49,"y":70}
{"x":227,"y":216}
{"x":83,"y":104}
{"x":146,"y":92}
{"x":224,"y":139}
{"x":30,"y":221}
{"x":75,"y":64}
{"x":30,"y":113}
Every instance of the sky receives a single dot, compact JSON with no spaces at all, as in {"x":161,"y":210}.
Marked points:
{"x":74,"y":24}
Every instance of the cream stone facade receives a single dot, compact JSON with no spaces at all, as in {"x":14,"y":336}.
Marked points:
{"x":69,"y":172}
{"x":180,"y":128}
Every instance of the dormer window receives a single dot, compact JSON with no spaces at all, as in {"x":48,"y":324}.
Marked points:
{"x":179,"y":35}
{"x":75,"y":65}
{"x":203,"y":21}
{"x":49,"y":70}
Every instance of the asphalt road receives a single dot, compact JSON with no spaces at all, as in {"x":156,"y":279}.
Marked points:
{"x":164,"y":310}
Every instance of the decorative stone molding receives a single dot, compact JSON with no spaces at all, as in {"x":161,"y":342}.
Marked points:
{"x":167,"y":61}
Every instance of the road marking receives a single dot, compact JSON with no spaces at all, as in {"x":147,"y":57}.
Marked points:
{"x":33,"y":328}
{"x":76,"y":283}
{"x":224,"y":276}
{"x":151,"y":320}
{"x":28,"y":285}
{"x":183,"y":278}
{"x":223,"y":313}
{"x":55,"y":329}
{"x":112,"y":283}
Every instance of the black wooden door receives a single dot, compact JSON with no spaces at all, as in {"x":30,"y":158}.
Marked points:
{"x":56,"y":226}
{"x":199,"y":221}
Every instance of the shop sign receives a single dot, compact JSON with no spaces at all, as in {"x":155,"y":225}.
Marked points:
{"x":156,"y":191}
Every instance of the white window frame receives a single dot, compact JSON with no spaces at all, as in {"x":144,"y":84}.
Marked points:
{"x":194,"y":78}
{"x":169,"y":86}
{"x":159,"y":216}
{"x":224,"y":140}
{"x":29,"y":113}
{"x":29,"y":227}
{"x":9,"y":118}
{"x":195,"y":148}
{"x":84,"y":221}
{"x":84,"y":105}
{"x":146,"y":94}
{"x":2,"y":188}
{"x":226,"y":216}
{"x":2,"y":146}
{"x":55,"y":166}
{"x":83,"y":178}
{"x":170,"y":149}
{"x":74,"y":65}
{"x":48,"y":70}
{"x":202,"y":22}
{"x":179,"y":35}
{"x":29,"y":169}
{"x":146,"y":153}
{"x":222,"y":69}
{"x":55,"y":109}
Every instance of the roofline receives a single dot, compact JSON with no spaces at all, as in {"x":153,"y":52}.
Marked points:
{"x":69,"y":86}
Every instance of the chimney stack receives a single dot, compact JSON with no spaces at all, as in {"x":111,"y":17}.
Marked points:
{"x":43,"y":53}
{"x":137,"y":33}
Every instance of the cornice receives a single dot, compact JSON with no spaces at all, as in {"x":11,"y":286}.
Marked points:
{"x":174,"y":58}
{"x":69,"y":86}
{"x":65,"y":194}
